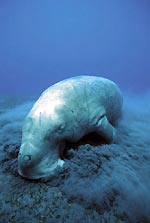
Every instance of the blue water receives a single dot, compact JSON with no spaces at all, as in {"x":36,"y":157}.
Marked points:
{"x":42,"y":42}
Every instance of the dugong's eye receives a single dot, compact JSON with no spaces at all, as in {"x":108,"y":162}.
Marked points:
{"x":60,"y":128}
{"x":27,"y":157}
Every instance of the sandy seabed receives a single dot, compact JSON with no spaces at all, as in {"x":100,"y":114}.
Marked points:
{"x":98,"y":184}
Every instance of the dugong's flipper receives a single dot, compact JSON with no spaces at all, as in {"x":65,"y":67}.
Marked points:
{"x":105,"y":129}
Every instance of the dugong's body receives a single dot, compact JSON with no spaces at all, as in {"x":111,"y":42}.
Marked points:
{"x":67,"y":111}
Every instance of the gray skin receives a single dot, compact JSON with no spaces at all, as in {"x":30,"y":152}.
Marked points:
{"x":67,"y":111}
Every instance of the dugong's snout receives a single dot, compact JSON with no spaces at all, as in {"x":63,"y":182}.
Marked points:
{"x":26,"y":166}
{"x":35,"y":166}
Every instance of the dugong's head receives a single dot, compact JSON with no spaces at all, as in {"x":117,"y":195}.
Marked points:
{"x":42,"y":141}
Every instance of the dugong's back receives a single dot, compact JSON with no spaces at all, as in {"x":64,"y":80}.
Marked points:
{"x":89,"y":93}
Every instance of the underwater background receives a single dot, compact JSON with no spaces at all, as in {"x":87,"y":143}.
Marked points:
{"x":43,"y":42}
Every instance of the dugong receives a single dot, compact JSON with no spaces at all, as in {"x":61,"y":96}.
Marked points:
{"x":67,"y":111}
